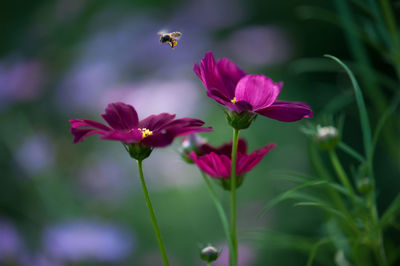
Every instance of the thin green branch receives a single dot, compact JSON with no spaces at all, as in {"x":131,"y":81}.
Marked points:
{"x":152,"y":215}
{"x":221,"y":214}
{"x":233,"y":193}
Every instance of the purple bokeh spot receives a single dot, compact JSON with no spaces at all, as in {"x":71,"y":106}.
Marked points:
{"x":85,"y":240}
{"x":35,"y":154}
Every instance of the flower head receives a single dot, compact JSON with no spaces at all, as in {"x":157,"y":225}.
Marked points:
{"x":216,"y":161}
{"x":242,"y":93}
{"x":138,"y":136}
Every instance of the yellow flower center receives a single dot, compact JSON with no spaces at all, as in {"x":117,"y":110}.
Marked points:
{"x":146,"y":132}
{"x":233,"y":100}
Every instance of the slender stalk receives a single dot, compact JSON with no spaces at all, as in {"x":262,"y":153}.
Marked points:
{"x":222,"y":215}
{"x":378,"y":247}
{"x":392,"y":28}
{"x":152,"y":215}
{"x":208,"y":263}
{"x":340,"y":172}
{"x":233,"y":194}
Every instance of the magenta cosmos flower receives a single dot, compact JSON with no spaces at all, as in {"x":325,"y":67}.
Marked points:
{"x":243,"y":94}
{"x":139,"y":137}
{"x":216,"y":161}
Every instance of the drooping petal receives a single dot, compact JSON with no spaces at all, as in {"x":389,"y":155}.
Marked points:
{"x":132,"y":136}
{"x":204,"y":164}
{"x":82,"y":133}
{"x":247,"y":162}
{"x":287,"y":111}
{"x":217,"y":166}
{"x":155,"y":122}
{"x":75,"y":123}
{"x":121,"y":116}
{"x":258,"y":90}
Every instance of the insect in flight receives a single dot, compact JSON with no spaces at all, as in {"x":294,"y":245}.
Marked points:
{"x":171,"y":38}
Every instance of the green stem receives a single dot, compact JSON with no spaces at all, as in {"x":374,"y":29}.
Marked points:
{"x":221,"y":213}
{"x":233,"y":194}
{"x":208,"y":263}
{"x":152,"y":215}
{"x":340,"y":172}
{"x":378,"y":247}
{"x":391,"y":24}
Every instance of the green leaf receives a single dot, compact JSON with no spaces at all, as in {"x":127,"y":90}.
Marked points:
{"x":315,"y":248}
{"x":322,"y":206}
{"x":390,"y":213}
{"x":292,"y":176}
{"x":288,"y":194}
{"x":365,"y":125}
{"x":383,"y":120}
{"x":349,"y":150}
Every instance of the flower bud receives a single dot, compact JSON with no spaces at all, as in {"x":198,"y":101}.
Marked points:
{"x":209,"y":253}
{"x":189,"y":144}
{"x":240,"y":120}
{"x":138,"y":151}
{"x":327,"y":138}
{"x":365,"y":185}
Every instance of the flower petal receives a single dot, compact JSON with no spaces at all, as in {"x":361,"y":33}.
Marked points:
{"x":258,"y":90}
{"x":247,"y":162}
{"x":217,"y":166}
{"x":230,"y":75}
{"x":155,"y":122}
{"x":160,"y":139}
{"x":287,"y":111}
{"x":132,"y":136}
{"x":82,"y":133}
{"x":221,"y":76}
{"x":121,"y":116}
{"x":166,"y":133}
{"x":75,"y":123}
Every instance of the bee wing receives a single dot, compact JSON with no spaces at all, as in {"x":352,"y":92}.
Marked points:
{"x":176,"y":35}
{"x":162,"y":32}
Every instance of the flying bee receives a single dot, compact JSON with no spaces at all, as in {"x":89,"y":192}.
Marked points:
{"x":170,"y":38}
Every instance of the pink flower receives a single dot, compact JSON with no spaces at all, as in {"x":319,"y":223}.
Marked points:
{"x":154,"y":131}
{"x":216,"y":161}
{"x":230,"y":86}
{"x":139,"y":137}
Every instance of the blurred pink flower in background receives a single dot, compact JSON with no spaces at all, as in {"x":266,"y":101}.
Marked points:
{"x":35,"y":153}
{"x":88,"y":240}
{"x":20,"y":81}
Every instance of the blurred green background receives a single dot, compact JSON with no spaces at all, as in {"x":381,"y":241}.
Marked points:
{"x":66,"y":204}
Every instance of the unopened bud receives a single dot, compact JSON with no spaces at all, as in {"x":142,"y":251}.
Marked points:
{"x":209,"y":253}
{"x":327,"y":137}
{"x":365,"y":185}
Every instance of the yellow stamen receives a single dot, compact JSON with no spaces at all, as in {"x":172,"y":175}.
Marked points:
{"x":233,"y":100}
{"x":146,"y":132}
